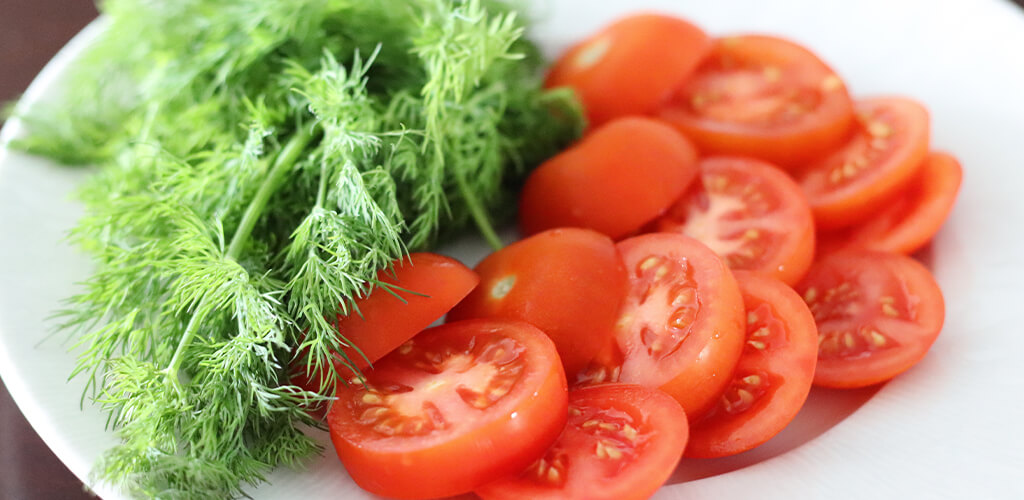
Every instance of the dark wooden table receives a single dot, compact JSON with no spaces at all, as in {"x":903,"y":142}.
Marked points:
{"x":31,"y":31}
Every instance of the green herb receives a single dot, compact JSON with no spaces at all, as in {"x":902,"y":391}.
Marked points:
{"x":260,"y":162}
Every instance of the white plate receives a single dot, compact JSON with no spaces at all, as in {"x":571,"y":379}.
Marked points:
{"x":950,"y":428}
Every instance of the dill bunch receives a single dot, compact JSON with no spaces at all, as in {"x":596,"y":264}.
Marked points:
{"x":259,"y":162}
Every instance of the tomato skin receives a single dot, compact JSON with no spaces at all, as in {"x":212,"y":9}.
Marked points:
{"x":567,"y":282}
{"x":614,"y":181}
{"x":624,"y":69}
{"x":749,"y":212}
{"x":913,"y":218}
{"x":681,"y":330}
{"x":651,"y":450}
{"x":764,"y":97}
{"x":472,"y":446}
{"x":428,"y":285}
{"x":877,"y":162}
{"x":877,"y":315}
{"x":775,"y":371}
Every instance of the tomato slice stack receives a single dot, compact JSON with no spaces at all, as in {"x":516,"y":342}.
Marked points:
{"x":732,"y":230}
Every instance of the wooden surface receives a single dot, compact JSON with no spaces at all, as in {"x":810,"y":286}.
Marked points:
{"x":31,"y":31}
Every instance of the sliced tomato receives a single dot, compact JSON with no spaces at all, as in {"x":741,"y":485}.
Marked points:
{"x":681,"y":326}
{"x":614,"y":181}
{"x":878,"y":161}
{"x":877,"y":316}
{"x":457,"y":406}
{"x":416,"y":292}
{"x":750,"y":213}
{"x":630,"y":66}
{"x":567,"y":282}
{"x":765,"y":97}
{"x":912,"y":219}
{"x":621,"y":443}
{"x":772,"y":378}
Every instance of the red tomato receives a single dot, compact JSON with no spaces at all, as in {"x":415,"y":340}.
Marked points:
{"x":567,"y":282}
{"x":457,"y":406}
{"x":630,"y":67}
{"x":416,"y":293}
{"x":764,"y":97}
{"x":911,"y":220}
{"x":681,"y":326}
{"x":621,"y":443}
{"x":751,"y":214}
{"x":877,"y":316}
{"x":772,"y":378}
{"x":614,"y":181}
{"x":877,"y":162}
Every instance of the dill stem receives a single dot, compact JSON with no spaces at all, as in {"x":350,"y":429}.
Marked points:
{"x":476,"y":210}
{"x":282,"y":165}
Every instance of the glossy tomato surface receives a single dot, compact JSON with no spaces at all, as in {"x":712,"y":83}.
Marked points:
{"x":911,"y":220}
{"x":621,"y":443}
{"x":618,"y":178}
{"x":680,"y":328}
{"x":750,"y":213}
{"x":888,"y":145}
{"x":457,"y":406}
{"x":567,"y":282}
{"x":631,"y":66}
{"x":772,"y":378}
{"x":765,"y":97}
{"x":877,"y":316}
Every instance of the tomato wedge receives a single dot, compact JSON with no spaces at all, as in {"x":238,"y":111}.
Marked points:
{"x":567,"y":282}
{"x":878,"y":161}
{"x":772,"y":378}
{"x":414,"y":294}
{"x":681,"y":326}
{"x":765,"y":97}
{"x":614,"y":181}
{"x":750,"y":213}
{"x":911,"y":220}
{"x":877,"y":316}
{"x":630,"y":66}
{"x":621,"y":443}
{"x":457,"y":406}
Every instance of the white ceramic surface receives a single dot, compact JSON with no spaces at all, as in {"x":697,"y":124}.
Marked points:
{"x":950,"y":428}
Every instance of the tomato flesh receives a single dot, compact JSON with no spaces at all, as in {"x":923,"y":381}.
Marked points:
{"x":878,"y":161}
{"x":764,"y":97}
{"x":567,"y":282}
{"x":680,"y":328}
{"x":630,"y":66}
{"x":618,"y":178}
{"x":621,"y":442}
{"x":877,"y":316}
{"x":772,"y":378}
{"x":751,"y":214}
{"x":911,"y":220}
{"x":455,"y":407}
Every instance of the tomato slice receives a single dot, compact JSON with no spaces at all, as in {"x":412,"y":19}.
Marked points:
{"x":414,"y":294}
{"x":681,"y":326}
{"x":765,"y":97}
{"x":877,"y":316}
{"x":457,"y":406}
{"x":751,"y":214}
{"x":567,"y":282}
{"x":614,"y":181}
{"x":772,"y":378}
{"x":621,"y":443}
{"x":878,"y":161}
{"x":912,"y":219}
{"x":630,"y":66}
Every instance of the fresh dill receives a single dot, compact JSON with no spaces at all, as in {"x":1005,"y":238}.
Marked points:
{"x":259,"y":162}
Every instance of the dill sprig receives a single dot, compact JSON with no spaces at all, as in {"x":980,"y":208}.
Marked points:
{"x":260,"y":162}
